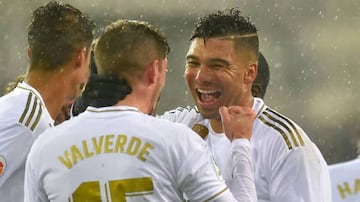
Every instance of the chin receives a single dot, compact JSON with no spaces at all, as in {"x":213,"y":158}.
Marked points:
{"x":209,"y":114}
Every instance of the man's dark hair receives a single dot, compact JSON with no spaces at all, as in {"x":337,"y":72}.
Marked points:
{"x":262,"y":79}
{"x":228,"y":23}
{"x":56,"y":32}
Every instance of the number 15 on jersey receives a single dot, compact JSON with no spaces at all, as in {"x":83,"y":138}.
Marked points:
{"x":115,"y":190}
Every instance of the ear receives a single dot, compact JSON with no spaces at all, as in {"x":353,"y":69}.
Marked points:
{"x":152,"y":72}
{"x":81,"y":57}
{"x":251,"y":72}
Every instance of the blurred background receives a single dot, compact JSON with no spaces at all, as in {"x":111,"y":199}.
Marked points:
{"x":311,"y":47}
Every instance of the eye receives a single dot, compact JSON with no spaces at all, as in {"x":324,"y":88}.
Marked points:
{"x":217,"y":66}
{"x":192,"y":64}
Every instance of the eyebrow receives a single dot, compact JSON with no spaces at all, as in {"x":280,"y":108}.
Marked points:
{"x":191,"y":57}
{"x":212,"y":60}
{"x":218,"y":60}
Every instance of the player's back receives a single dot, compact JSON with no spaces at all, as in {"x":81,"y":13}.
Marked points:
{"x":345,"y":181}
{"x":105,"y":154}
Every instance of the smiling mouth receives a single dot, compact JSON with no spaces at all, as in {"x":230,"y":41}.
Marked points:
{"x":208,"y":96}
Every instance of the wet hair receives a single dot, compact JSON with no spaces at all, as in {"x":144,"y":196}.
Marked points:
{"x":56,"y":32}
{"x":262,"y":79}
{"x":127,"y":46}
{"x":229,"y":23}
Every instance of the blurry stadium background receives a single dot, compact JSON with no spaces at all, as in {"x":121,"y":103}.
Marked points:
{"x":311,"y":46}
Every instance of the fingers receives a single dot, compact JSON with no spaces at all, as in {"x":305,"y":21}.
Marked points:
{"x":237,"y":121}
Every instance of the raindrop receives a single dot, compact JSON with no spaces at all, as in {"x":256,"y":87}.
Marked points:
{"x":278,"y":65}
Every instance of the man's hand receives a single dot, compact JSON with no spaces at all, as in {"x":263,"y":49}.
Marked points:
{"x":237,"y":121}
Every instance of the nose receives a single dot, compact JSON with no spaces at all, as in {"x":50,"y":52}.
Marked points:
{"x":203,"y":74}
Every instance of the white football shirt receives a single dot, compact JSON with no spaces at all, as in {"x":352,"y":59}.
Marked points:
{"x":288,"y":166}
{"x":118,"y":153}
{"x":23,"y":117}
{"x":345,"y":180}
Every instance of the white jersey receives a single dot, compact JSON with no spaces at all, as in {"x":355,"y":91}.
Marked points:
{"x":120,"y":154}
{"x":23,"y":117}
{"x":288,"y":166}
{"x":345,"y":180}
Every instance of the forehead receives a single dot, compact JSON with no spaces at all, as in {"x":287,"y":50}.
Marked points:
{"x":212,"y":48}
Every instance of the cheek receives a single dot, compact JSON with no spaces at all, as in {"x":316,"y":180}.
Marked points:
{"x":189,"y":76}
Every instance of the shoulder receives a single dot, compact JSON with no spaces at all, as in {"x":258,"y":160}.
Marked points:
{"x":351,"y":165}
{"x":175,"y":133}
{"x":280,"y":129}
{"x":25,"y":107}
{"x":185,"y":115}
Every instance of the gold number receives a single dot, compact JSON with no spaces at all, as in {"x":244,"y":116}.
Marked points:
{"x":118,"y":189}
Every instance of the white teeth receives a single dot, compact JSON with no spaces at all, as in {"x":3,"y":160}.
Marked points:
{"x":207,"y":91}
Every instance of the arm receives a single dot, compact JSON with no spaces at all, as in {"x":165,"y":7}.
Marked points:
{"x":237,"y":124}
{"x":302,"y":175}
{"x":15,"y":146}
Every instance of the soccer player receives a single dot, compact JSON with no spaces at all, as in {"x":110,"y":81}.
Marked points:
{"x":345,"y":181}
{"x":59,"y":39}
{"x":221,"y":65}
{"x":120,"y":152}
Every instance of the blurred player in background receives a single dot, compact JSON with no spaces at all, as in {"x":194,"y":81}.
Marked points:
{"x":123,"y":153}
{"x":59,"y":39}
{"x":261,"y":81}
{"x":345,"y":180}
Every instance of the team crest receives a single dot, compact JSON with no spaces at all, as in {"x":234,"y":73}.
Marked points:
{"x":2,"y":165}
{"x":202,"y":130}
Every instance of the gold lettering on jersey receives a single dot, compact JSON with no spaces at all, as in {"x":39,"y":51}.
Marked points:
{"x":97,"y":144}
{"x":76,"y":154}
{"x":120,"y":143}
{"x":145,"y":151}
{"x":66,"y":159}
{"x":346,"y":189}
{"x":133,"y":146}
{"x":109,"y":143}
{"x":87,"y":153}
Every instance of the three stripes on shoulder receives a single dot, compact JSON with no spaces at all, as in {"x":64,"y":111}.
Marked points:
{"x":32,"y":112}
{"x":288,"y":130}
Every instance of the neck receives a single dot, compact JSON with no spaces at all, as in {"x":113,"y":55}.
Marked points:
{"x":52,"y":88}
{"x":139,"y":100}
